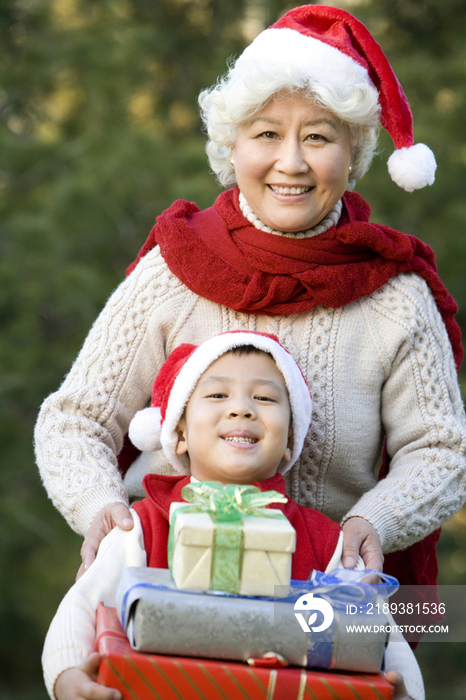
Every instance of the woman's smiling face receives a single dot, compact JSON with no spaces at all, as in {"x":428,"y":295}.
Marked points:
{"x":292,"y":162}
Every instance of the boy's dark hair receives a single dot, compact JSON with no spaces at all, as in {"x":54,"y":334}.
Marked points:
{"x":249,"y":350}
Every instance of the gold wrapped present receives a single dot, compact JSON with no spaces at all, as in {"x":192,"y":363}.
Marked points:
{"x":226,"y":540}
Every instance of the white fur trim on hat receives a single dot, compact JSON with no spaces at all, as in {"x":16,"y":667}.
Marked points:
{"x":310,"y":56}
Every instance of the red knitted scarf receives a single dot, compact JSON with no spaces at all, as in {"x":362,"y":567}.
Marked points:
{"x":219,"y":255}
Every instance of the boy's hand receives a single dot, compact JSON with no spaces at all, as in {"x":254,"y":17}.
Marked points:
{"x":396,"y":679}
{"x":361,"y":538}
{"x":79,"y":683}
{"x":115,"y":514}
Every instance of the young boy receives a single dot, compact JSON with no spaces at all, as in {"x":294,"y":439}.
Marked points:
{"x":236,"y":410}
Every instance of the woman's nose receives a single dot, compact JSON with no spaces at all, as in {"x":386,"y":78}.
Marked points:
{"x":291,"y":158}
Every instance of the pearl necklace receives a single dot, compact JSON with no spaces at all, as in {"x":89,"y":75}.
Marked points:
{"x":330,"y":220}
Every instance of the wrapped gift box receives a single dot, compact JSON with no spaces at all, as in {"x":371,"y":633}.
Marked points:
{"x":159,"y":618}
{"x":214,"y":555}
{"x":156,"y":677}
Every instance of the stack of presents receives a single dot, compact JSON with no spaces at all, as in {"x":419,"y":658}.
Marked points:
{"x":226,"y":623}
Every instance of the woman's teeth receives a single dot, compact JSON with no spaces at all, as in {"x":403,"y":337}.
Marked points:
{"x":241,"y":439}
{"x":289,"y":190}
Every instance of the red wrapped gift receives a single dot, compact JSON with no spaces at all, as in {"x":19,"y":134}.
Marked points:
{"x":154,"y":677}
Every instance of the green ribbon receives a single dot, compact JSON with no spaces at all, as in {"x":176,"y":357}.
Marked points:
{"x":226,"y":505}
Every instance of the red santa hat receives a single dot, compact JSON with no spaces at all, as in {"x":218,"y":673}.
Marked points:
{"x":328,"y":41}
{"x":156,"y":427}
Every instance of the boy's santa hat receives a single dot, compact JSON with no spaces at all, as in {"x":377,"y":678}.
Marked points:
{"x":327,"y":41}
{"x":156,"y":427}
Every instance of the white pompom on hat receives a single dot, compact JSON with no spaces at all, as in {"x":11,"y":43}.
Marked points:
{"x":156,"y":427}
{"x":329,"y":42}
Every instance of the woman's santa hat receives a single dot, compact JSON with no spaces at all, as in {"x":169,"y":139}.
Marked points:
{"x":328,"y":41}
{"x":156,"y":427}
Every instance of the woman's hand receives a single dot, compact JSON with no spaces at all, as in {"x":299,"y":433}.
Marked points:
{"x":79,"y":683}
{"x":396,"y":679}
{"x":115,"y":514}
{"x":361,"y":538}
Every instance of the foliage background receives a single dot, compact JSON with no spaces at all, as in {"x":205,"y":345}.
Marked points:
{"x":99,"y":132}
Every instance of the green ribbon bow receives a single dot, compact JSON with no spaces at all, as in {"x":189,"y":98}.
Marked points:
{"x":226,"y":505}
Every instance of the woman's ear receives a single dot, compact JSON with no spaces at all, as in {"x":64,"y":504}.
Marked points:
{"x":182,"y":444}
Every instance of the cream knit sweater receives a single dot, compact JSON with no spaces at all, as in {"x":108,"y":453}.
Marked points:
{"x":381,"y":363}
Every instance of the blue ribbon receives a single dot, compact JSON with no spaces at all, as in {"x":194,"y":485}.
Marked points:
{"x":344,"y":586}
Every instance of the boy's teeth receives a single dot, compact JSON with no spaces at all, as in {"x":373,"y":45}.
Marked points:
{"x":241,"y":439}
{"x":289,"y":190}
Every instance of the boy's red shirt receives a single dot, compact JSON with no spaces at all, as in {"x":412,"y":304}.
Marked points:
{"x":316,"y":535}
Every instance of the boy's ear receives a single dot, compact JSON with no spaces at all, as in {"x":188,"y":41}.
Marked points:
{"x":182,"y":444}
{"x":289,"y":446}
{"x":287,"y":455}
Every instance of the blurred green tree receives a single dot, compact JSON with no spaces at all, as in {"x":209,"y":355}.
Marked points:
{"x":99,"y":132}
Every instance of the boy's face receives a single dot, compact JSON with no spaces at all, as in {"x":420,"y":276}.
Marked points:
{"x":236,"y":427}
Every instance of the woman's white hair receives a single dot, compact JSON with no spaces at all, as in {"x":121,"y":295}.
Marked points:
{"x":249,"y":85}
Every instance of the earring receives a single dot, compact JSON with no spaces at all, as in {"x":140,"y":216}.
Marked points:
{"x":232,"y":162}
{"x":350,"y":168}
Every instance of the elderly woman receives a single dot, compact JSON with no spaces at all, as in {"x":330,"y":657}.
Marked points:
{"x":289,"y":251}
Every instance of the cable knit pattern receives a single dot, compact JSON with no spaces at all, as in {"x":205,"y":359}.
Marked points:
{"x":87,"y":408}
{"x":381,"y":363}
{"x":428,"y":452}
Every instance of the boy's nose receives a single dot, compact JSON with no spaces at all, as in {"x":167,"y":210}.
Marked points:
{"x":241,"y":409}
{"x":241,"y":414}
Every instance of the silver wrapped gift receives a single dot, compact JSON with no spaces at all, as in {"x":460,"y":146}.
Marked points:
{"x":159,"y":618}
